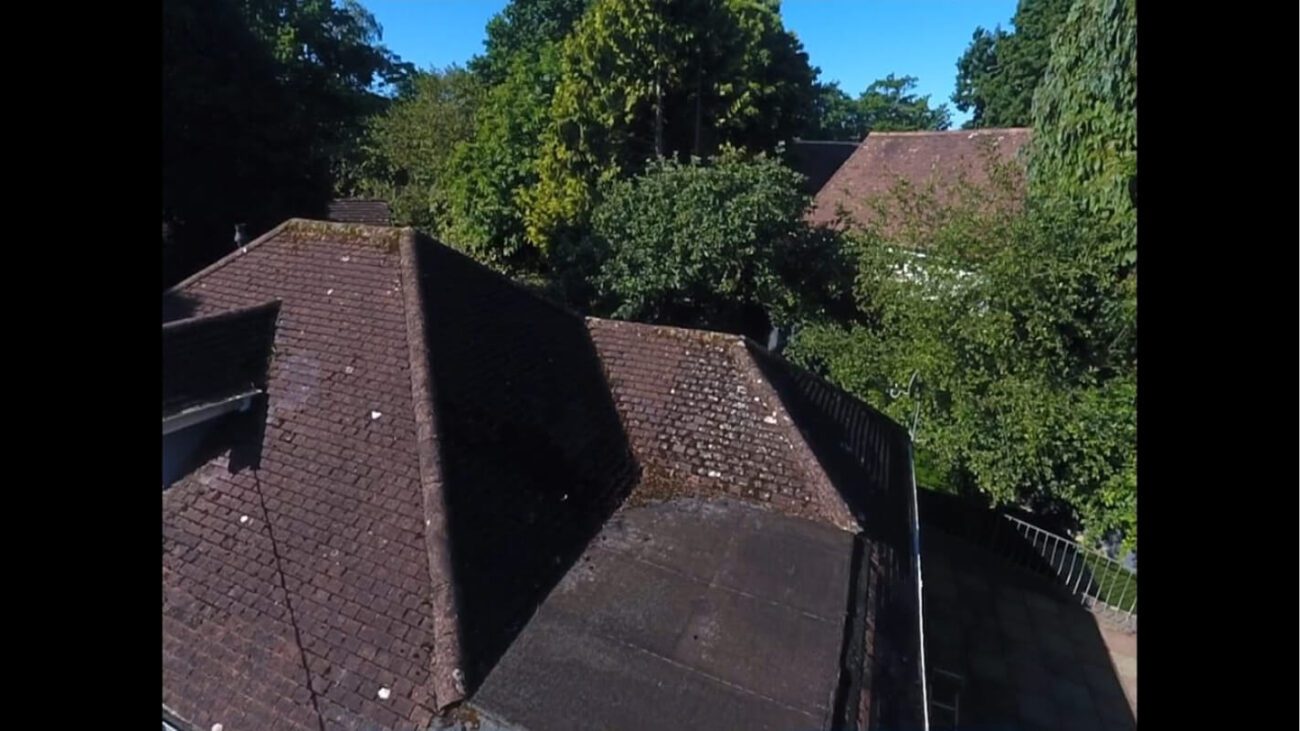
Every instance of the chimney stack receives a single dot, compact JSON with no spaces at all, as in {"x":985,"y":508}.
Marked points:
{"x":241,"y":238}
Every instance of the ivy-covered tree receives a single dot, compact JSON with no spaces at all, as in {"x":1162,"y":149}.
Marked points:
{"x":999,"y":71}
{"x":1084,"y":151}
{"x":642,"y":79}
{"x":718,"y":244}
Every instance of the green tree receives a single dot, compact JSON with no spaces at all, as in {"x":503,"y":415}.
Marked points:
{"x":330,"y":58}
{"x":491,"y":170}
{"x":645,"y":78}
{"x":1023,"y":328}
{"x":408,"y":149}
{"x":888,"y":106}
{"x":521,"y":30}
{"x":1004,"y":322}
{"x":520,"y":68}
{"x":836,"y":116}
{"x":261,"y":101}
{"x":999,"y":71}
{"x":720,"y":244}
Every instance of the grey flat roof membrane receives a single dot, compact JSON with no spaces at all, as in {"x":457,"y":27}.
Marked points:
{"x":681,"y":615}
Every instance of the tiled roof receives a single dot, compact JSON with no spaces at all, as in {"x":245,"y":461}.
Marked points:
{"x":702,"y":420}
{"x":919,"y":159}
{"x":440,"y":448}
{"x":295,"y":592}
{"x":360,"y":210}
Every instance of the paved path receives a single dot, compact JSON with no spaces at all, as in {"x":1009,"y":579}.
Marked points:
{"x":1028,"y":658}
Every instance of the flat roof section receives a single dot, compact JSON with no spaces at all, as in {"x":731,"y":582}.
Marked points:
{"x":685,"y":614}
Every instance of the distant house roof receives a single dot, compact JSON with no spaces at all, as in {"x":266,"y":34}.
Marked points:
{"x":360,"y":210}
{"x":817,"y":160}
{"x":452,"y":467}
{"x":919,"y":159}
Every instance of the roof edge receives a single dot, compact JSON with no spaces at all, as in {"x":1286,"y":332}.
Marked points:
{"x":447,"y":655}
{"x":843,"y":516}
{"x":238,"y":312}
{"x":798,"y":369}
{"x":932,"y":132}
{"x":689,"y":331}
{"x":219,"y":263}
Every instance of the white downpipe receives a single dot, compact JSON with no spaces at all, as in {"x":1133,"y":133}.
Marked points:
{"x":920,"y":606}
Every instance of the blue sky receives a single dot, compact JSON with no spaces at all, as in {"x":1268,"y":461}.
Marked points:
{"x":852,"y":41}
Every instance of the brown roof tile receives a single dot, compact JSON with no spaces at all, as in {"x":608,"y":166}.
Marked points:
{"x":294,"y":592}
{"x":918,"y":158}
{"x":702,"y":420}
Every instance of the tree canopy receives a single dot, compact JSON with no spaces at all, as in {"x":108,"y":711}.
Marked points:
{"x":999,"y":71}
{"x":263,"y":101}
{"x":886,"y":105}
{"x":642,"y":79}
{"x":406,"y":154}
{"x":718,"y":243}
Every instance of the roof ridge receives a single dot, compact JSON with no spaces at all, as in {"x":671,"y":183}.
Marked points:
{"x":687,"y":331}
{"x":446,"y":656}
{"x":934,"y":132}
{"x":289,"y":224}
{"x":842,"y":515}
{"x":219,"y":263}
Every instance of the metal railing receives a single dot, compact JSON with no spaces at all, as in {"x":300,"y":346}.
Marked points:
{"x":1100,"y":582}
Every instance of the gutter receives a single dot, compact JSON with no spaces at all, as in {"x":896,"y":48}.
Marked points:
{"x":206,"y":412}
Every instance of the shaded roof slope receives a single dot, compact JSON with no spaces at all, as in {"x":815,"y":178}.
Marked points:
{"x":917,"y":158}
{"x":817,"y":160}
{"x":360,"y":210}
